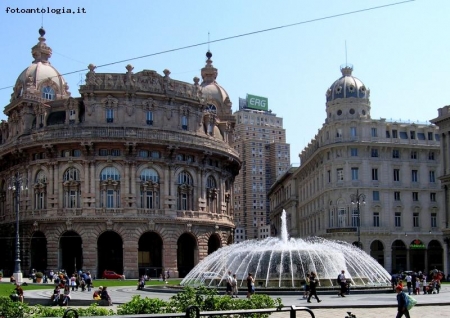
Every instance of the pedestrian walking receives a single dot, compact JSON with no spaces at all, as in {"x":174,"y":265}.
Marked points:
{"x":314,"y":281}
{"x":409,"y":283}
{"x":401,"y":301}
{"x":234,"y":288}
{"x":250,"y":285}
{"x":306,"y":287}
{"x":343,"y":283}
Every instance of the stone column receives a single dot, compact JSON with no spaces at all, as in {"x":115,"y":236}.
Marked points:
{"x":58,"y":189}
{"x":130,"y":256}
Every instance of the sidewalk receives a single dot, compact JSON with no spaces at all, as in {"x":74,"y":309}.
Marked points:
{"x":362,"y":305}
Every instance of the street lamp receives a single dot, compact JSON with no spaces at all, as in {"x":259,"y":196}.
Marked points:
{"x":357,"y":199}
{"x":16,"y":185}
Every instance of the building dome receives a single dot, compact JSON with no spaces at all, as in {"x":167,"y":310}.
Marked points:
{"x":40,"y":79}
{"x":347,"y":86}
{"x":211,"y":91}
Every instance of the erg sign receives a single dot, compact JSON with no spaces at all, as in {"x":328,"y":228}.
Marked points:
{"x":257,"y":102}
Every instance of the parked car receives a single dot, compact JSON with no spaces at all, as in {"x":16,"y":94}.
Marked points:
{"x":112,"y":275}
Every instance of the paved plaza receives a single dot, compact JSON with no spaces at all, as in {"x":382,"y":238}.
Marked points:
{"x":362,"y":305}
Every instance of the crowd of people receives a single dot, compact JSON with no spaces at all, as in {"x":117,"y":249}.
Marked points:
{"x":77,"y":281}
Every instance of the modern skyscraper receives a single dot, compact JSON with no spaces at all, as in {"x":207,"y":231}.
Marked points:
{"x":260,"y":140}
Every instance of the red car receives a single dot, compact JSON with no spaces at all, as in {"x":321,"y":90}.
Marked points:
{"x":112,"y":275}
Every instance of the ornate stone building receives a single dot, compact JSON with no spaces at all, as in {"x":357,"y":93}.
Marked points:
{"x":136,"y":175}
{"x":392,"y":166}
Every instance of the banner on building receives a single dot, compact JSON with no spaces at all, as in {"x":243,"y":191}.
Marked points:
{"x":257,"y":102}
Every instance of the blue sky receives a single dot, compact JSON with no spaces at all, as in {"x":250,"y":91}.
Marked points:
{"x":401,"y":53}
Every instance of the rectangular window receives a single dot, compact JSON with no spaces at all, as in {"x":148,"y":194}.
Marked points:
{"x":413,"y":154}
{"x":432,"y":176}
{"x":388,"y":134}
{"x":394,"y":133}
{"x":354,"y":152}
{"x":340,"y":174}
{"x":396,"y":153}
{"x":109,"y":115}
{"x":376,"y":219}
{"x":143,"y":153}
{"x":416,"y":219}
{"x":72,"y":199}
{"x":329,"y":176}
{"x":376,"y":195}
{"x":355,"y":218}
{"x":412,"y":134}
{"x":374,"y":153}
{"x":415,"y":196}
{"x":414,"y":176}
{"x":103,"y":152}
{"x":403,"y":135}
{"x":398,"y":219}
{"x":396,"y":174}
{"x":110,"y":198}
{"x":352,"y":132}
{"x":421,"y":136}
{"x":396,"y":196}
{"x":433,"y":220}
{"x":149,"y":117}
{"x":115,"y":152}
{"x":430,"y":136}
{"x":339,"y":133}
{"x":431,"y":155}
{"x":374,"y":132}
{"x":354,"y":173}
{"x":184,"y":122}
{"x":375,"y":174}
{"x":433,"y":197}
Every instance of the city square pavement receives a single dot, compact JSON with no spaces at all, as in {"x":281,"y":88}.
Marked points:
{"x":363,"y":305}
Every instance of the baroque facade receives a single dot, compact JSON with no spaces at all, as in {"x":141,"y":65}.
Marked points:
{"x":392,"y":166}
{"x":136,"y":175}
{"x":443,"y":122}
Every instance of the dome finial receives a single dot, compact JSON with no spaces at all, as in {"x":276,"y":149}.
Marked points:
{"x":209,"y":72}
{"x":41,"y":52}
{"x":346,"y":69}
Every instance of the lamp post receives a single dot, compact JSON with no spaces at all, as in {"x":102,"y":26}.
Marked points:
{"x":357,"y":199}
{"x":16,"y":185}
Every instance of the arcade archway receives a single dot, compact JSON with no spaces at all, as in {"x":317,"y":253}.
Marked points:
{"x":150,"y":254}
{"x":110,"y":252}
{"x":70,"y":252}
{"x":213,"y":243}
{"x":399,"y":256}
{"x":186,"y":258}
{"x":377,"y":251}
{"x":38,"y":251}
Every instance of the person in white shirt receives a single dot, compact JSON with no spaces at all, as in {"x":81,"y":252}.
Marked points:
{"x":234,"y":288}
{"x":409,"y":283}
{"x":343,"y":282}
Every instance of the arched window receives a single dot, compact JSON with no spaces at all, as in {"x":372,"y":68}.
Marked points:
{"x":110,"y":173}
{"x":48,"y":93}
{"x":185,"y":191}
{"x":40,"y":190}
{"x":149,"y":189}
{"x":211,"y":194}
{"x":72,"y":188}
{"x":110,"y":188}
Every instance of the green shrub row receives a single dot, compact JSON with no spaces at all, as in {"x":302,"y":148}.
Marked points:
{"x":206,"y":299}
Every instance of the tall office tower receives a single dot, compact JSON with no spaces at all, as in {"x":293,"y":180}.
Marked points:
{"x":260,"y":140}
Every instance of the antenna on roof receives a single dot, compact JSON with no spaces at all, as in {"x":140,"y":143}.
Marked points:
{"x":208,"y":40}
{"x":345,"y":52}
{"x":81,"y":81}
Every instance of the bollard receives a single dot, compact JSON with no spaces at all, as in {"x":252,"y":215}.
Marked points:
{"x":350,"y":315}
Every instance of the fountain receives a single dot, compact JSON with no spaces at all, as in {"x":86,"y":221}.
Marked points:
{"x":283,"y":263}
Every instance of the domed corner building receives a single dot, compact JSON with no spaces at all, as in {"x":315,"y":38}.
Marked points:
{"x":393,"y":166}
{"x":135,"y":176}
